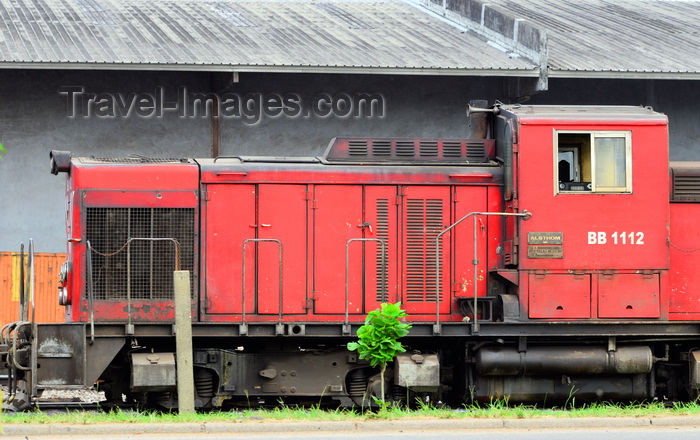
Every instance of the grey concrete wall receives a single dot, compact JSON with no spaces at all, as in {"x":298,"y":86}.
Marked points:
{"x":421,"y":107}
{"x":34,"y":119}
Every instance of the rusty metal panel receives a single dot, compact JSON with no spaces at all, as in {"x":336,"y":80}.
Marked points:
{"x":60,"y":356}
{"x":46,"y":269}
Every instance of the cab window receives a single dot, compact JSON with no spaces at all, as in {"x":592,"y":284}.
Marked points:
{"x":598,"y":161}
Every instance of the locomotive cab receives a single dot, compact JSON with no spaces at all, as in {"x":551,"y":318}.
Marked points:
{"x":592,"y":250}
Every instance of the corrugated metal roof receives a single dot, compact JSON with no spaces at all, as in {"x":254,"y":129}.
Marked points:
{"x":626,"y":38}
{"x":302,"y":36}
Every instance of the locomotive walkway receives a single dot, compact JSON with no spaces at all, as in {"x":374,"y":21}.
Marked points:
{"x":262,"y":427}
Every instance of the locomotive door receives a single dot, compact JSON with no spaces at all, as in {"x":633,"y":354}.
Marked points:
{"x":380,"y":257}
{"x":229,"y":213}
{"x":425,"y":213}
{"x":260,"y":218}
{"x":282,"y":214}
{"x":468,"y":199}
{"x":355,"y":232}
{"x":337,"y":219}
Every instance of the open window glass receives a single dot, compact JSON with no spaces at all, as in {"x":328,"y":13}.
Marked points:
{"x":596,"y":161}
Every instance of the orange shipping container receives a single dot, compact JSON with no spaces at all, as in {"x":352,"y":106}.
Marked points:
{"x":46,"y":269}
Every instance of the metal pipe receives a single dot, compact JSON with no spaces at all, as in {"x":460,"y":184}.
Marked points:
{"x":509,"y":361}
{"x":129,"y":325}
{"x":22,"y":305}
{"x":32,"y":278}
{"x":90,"y":292}
{"x":478,"y":122}
{"x":14,"y":346}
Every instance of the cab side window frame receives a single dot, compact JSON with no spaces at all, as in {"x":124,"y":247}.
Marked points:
{"x":592,"y":162}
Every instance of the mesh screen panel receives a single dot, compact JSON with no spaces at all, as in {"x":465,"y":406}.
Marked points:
{"x":142,"y":268}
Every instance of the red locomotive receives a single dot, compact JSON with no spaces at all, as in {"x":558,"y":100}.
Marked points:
{"x":549,"y":255}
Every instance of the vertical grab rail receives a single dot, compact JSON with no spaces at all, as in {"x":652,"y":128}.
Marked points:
{"x":475,"y":261}
{"x":22,"y":305}
{"x":30,"y":297}
{"x":346,"y":324}
{"x":90,"y":292}
{"x":279,"y":330}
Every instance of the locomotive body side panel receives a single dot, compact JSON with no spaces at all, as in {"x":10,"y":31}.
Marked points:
{"x":351,"y":238}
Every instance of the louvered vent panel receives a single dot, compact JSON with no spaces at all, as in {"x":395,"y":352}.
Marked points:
{"x":357,"y":148}
{"x":476,"y":151}
{"x":381,"y":148}
{"x":423,"y":223}
{"x":405,"y":149}
{"x":448,"y":151}
{"x":686,"y":188}
{"x":452,"y":149}
{"x":382,"y":234}
{"x":507,"y":258}
{"x":143,"y":269}
{"x":428,"y":148}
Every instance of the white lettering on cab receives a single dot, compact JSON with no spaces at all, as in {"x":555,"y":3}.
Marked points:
{"x":600,"y":237}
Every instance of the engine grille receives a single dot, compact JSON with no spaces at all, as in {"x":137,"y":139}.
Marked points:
{"x":141,"y":268}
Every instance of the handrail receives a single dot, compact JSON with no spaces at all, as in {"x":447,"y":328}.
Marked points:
{"x":244,"y":327}
{"x":22,"y":305}
{"x":31,"y":280}
{"x":14,"y":346}
{"x":5,"y":333}
{"x":90,"y":292}
{"x":346,"y":325}
{"x":475,"y":261}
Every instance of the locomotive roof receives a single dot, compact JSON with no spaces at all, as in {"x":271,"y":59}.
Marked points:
{"x":609,"y":114}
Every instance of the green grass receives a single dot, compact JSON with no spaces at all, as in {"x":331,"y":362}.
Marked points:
{"x":497,"y":409}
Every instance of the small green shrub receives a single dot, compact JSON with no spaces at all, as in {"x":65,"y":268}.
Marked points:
{"x":378,"y":337}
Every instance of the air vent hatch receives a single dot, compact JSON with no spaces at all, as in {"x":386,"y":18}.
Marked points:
{"x":464,"y":151}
